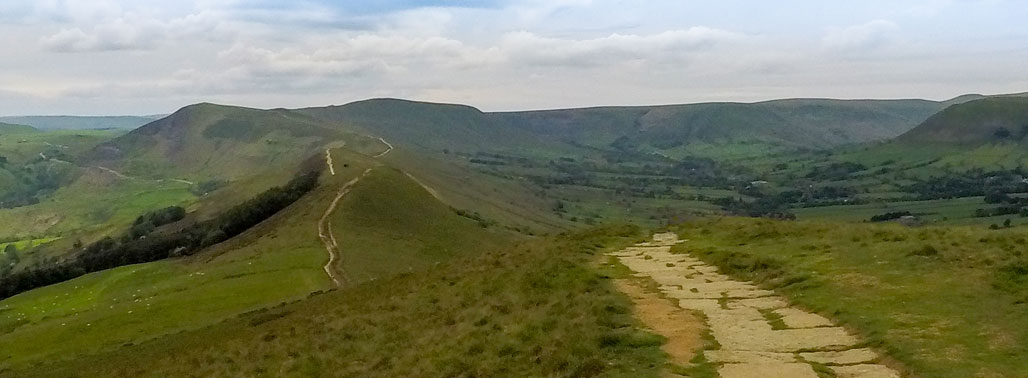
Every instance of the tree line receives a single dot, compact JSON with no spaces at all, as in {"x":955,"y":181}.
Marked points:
{"x":141,"y":244}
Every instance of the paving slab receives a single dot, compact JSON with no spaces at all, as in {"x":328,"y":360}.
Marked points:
{"x":750,"y":346}
{"x":864,"y":371}
{"x":845,"y":357}
{"x":767,"y":370}
{"x":741,"y":356}
{"x":796,"y":318}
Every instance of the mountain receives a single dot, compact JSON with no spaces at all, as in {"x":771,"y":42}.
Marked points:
{"x":992,"y":119}
{"x":81,"y":122}
{"x":806,"y":123}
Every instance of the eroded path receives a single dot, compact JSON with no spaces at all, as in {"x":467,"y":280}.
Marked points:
{"x":328,"y":239}
{"x":759,"y":334}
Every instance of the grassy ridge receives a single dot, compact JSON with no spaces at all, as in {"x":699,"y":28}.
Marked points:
{"x":946,"y":302}
{"x":479,"y":316}
{"x":277,"y":261}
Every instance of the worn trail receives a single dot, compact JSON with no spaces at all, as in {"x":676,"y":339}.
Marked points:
{"x":328,"y":239}
{"x":759,"y":333}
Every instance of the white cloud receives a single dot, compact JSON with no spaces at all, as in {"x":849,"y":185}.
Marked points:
{"x":615,"y":48}
{"x":864,"y":36}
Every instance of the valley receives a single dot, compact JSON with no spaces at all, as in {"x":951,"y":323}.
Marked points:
{"x":435,"y":239}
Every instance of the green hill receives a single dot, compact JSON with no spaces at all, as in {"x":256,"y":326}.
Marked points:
{"x":434,"y":126}
{"x":206,"y":141}
{"x":387,"y":225}
{"x":993,"y":119}
{"x":799,"y":123}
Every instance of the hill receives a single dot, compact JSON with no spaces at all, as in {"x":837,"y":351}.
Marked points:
{"x":993,"y":119}
{"x":798,"y":123}
{"x":434,"y":126}
{"x":10,"y":128}
{"x":282,"y":259}
{"x":81,"y":122}
{"x":207,"y":141}
{"x":534,"y":310}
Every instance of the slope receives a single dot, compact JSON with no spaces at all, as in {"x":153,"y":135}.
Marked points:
{"x":486,"y":315}
{"x":993,"y":119}
{"x":139,"y":302}
{"x":806,"y":123}
{"x":434,"y":126}
{"x":207,"y":141}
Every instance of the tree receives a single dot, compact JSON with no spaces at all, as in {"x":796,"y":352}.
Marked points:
{"x":3,"y":161}
{"x":1006,"y":223}
{"x":1001,"y":133}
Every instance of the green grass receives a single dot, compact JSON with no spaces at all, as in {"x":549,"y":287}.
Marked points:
{"x":956,"y":310}
{"x":485,"y":315}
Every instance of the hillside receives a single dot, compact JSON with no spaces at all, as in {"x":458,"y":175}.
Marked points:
{"x":435,"y":126}
{"x":534,"y":310}
{"x":799,"y":123}
{"x":207,"y":141}
{"x":11,"y":128}
{"x":993,"y":119}
{"x":135,"y":303}
{"x":81,"y":122}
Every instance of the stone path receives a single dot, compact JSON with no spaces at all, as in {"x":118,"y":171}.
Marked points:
{"x":759,"y":334}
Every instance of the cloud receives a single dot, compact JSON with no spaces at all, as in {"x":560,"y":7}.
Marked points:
{"x":865,"y":36}
{"x":615,"y":48}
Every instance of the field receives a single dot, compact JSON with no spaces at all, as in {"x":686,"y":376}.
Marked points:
{"x":942,"y":301}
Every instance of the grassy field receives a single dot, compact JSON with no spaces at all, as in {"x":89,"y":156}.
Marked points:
{"x":943,"y":301}
{"x":485,"y":315}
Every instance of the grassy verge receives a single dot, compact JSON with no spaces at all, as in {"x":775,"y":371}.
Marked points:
{"x":535,"y":310}
{"x":944,"y":301}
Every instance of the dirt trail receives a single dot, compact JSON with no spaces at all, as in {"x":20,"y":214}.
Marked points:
{"x":328,"y":239}
{"x":389,"y":148}
{"x":759,"y":334}
{"x":681,"y":328}
{"x":328,"y":160}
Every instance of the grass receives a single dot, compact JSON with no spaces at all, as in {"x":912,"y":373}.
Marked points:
{"x":484,"y":315}
{"x":944,"y":301}
{"x":387,"y":225}
{"x":937,"y":211}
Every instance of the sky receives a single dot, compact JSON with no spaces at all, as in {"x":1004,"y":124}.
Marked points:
{"x":93,"y":57}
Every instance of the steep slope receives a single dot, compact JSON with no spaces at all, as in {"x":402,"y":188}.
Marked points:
{"x":81,"y":122}
{"x":993,"y":119}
